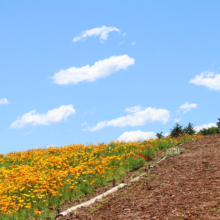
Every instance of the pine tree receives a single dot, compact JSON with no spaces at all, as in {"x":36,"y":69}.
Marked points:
{"x":159,"y":135}
{"x":218,"y":123}
{"x":177,"y":129}
{"x":189,"y":129}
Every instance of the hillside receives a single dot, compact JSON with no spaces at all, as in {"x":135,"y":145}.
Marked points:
{"x":186,"y":186}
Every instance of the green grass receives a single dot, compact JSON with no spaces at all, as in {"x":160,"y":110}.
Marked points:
{"x":130,"y":164}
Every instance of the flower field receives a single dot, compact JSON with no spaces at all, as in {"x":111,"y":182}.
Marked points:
{"x":34,"y":180}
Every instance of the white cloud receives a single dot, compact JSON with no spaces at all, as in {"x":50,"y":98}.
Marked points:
{"x":100,"y":69}
{"x":133,"y":136}
{"x":51,"y":145}
{"x":209,"y":79}
{"x":85,"y":124}
{"x":52,"y":116}
{"x":198,"y":128}
{"x":166,"y":134}
{"x":102,"y":31}
{"x":133,"y":43}
{"x":177,"y":119}
{"x":124,"y":34}
{"x":137,"y":118}
{"x":134,"y":109}
{"x":4,"y":101}
{"x":121,"y":42}
{"x":186,"y":107}
{"x":27,"y":133}
{"x":90,"y":112}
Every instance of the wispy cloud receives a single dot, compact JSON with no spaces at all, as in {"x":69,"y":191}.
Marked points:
{"x":52,"y":116}
{"x":132,"y":136}
{"x":89,"y":112}
{"x":121,"y":42}
{"x":4,"y":101}
{"x":133,"y":43}
{"x":27,"y":133}
{"x":209,"y":125}
{"x":209,"y":79}
{"x":100,"y":31}
{"x":100,"y":69}
{"x":177,"y":119}
{"x":186,"y":107}
{"x":137,"y":118}
{"x":124,"y":34}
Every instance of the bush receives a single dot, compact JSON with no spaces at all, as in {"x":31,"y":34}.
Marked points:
{"x":173,"y":152}
{"x":209,"y":131}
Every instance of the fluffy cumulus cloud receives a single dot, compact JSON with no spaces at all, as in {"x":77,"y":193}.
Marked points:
{"x":52,"y":116}
{"x":198,"y":128}
{"x":132,"y":136}
{"x":186,"y":107}
{"x":4,"y":101}
{"x":100,"y":31}
{"x":209,"y":79}
{"x":138,"y":117}
{"x":100,"y":69}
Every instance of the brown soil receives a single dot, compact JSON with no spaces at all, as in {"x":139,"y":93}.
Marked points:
{"x":180,"y":187}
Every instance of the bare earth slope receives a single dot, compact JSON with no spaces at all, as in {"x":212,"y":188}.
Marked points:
{"x":186,"y":186}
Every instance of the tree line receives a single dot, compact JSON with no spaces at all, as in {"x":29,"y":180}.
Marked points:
{"x":190,"y":130}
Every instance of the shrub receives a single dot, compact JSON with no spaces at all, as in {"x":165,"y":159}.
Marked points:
{"x":173,"y":152}
{"x":208,"y":131}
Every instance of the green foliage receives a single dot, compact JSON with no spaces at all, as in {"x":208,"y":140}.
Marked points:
{"x":208,"y":131}
{"x":190,"y":130}
{"x":159,"y":135}
{"x":177,"y":129}
{"x":218,"y":123}
{"x":173,"y":151}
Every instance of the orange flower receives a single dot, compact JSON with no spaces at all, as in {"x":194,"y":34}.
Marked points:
{"x":37,"y":212}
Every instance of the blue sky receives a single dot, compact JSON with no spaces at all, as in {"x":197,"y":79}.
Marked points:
{"x":95,"y":71}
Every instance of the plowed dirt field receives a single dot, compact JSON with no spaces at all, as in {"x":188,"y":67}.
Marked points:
{"x":186,"y":186}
